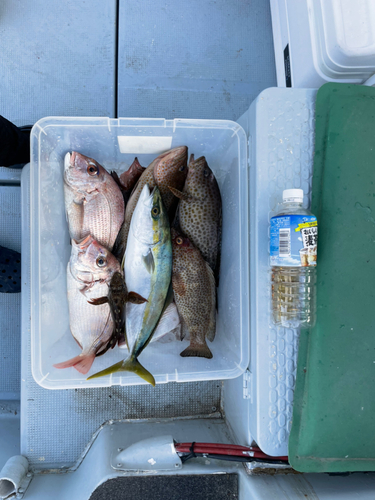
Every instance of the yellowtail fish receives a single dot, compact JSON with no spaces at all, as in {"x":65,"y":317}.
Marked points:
{"x":148,"y":271}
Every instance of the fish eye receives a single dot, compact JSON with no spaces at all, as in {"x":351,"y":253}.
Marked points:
{"x":206,"y":173}
{"x":179,"y":240}
{"x":101,"y":261}
{"x":182,"y":168}
{"x":92,"y":169}
{"x":155,"y":211}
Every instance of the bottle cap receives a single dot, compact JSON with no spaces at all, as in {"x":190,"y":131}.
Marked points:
{"x":293,"y":195}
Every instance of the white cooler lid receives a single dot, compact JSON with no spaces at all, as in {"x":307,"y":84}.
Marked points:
{"x":343,"y":37}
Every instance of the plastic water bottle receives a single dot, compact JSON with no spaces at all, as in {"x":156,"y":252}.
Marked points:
{"x":293,"y":253}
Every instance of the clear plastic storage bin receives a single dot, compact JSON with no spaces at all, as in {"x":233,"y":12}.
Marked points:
{"x":114,"y":143}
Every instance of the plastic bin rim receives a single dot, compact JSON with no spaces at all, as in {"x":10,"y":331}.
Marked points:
{"x":75,"y":121}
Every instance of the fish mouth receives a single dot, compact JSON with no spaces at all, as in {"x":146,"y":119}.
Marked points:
{"x":67,"y":163}
{"x":198,"y":163}
{"x":176,"y":155}
{"x":83,"y":243}
{"x":146,"y":194}
{"x":74,"y":159}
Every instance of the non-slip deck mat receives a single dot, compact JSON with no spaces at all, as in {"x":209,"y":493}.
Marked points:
{"x":197,"y":487}
{"x":334,"y":403}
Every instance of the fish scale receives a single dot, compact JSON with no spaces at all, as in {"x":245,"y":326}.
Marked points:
{"x":98,"y":220}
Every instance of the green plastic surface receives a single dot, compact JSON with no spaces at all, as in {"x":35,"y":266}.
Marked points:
{"x":334,"y":403}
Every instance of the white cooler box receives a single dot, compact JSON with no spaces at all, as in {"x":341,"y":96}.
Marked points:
{"x":280,"y":129}
{"x":319,"y":41}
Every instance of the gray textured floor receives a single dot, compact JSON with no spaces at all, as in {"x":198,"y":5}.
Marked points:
{"x":10,"y":303}
{"x":184,"y":59}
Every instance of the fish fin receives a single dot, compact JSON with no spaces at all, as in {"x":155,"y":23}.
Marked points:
{"x":178,"y":332}
{"x":135,"y":298}
{"x":84,"y":276}
{"x":123,"y":262}
{"x":112,"y":369}
{"x":197,"y":350}
{"x":137,"y":166}
{"x":110,"y":345}
{"x":117,"y":180}
{"x":86,"y":279}
{"x":122,"y":342}
{"x":184,"y":330}
{"x":85,"y":288}
{"x":82,"y":363}
{"x":168,"y":298}
{"x":210,"y":335}
{"x":167,"y":322}
{"x":133,"y":365}
{"x":130,"y":365}
{"x":98,"y":301}
{"x":211,"y":332}
{"x":180,"y":194}
{"x":191,"y":159}
{"x":148,"y":261}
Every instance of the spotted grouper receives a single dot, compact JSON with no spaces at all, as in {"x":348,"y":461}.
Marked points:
{"x":200,"y":211}
{"x":195,"y":295}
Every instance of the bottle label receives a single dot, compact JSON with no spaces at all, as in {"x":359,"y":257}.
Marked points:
{"x":293,"y":240}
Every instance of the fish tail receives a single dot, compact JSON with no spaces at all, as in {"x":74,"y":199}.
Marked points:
{"x":130,"y":365}
{"x":82,"y":363}
{"x":133,"y":365}
{"x":118,"y":367}
{"x":197,"y":350}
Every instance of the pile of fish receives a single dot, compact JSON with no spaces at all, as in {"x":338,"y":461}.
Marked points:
{"x":145,"y":257}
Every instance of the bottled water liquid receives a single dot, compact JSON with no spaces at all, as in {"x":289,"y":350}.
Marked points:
{"x":293,"y":252}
